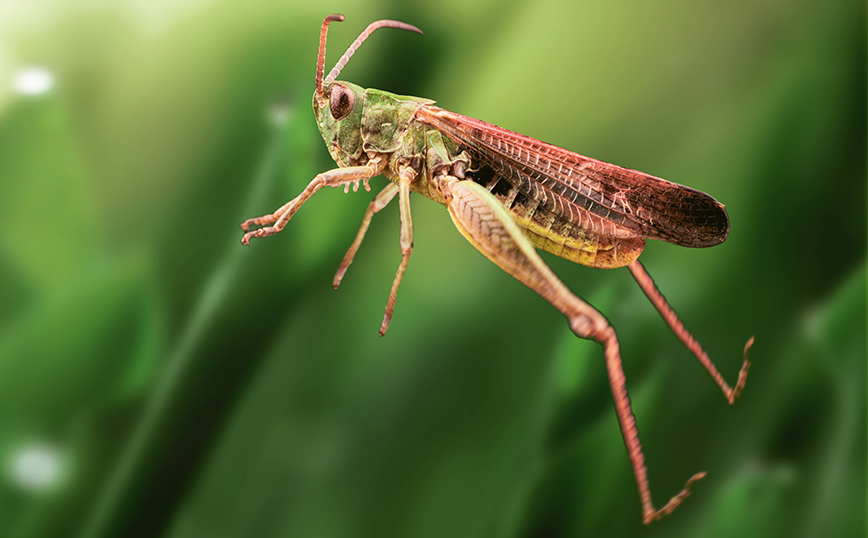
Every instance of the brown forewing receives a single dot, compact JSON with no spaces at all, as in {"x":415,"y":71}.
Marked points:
{"x":607,"y":199}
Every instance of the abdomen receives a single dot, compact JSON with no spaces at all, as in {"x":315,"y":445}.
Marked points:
{"x":552,"y":232}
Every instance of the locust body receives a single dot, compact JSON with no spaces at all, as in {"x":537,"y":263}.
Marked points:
{"x":409,"y":131}
{"x":509,"y":194}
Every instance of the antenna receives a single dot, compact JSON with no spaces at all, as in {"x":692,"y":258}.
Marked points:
{"x":320,"y":59}
{"x":333,"y":74}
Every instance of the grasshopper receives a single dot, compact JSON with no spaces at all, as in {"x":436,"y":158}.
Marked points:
{"x":508,"y":195}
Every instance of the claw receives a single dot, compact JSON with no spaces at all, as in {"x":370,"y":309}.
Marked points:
{"x":742,"y":374}
{"x":245,"y":226}
{"x":651,"y":515}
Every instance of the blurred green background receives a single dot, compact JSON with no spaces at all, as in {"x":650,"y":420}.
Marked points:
{"x":158,"y":379}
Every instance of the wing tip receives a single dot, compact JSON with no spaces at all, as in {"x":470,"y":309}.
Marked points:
{"x":714,"y":228}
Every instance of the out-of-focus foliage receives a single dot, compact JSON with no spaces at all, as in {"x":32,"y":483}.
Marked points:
{"x":157,"y":379}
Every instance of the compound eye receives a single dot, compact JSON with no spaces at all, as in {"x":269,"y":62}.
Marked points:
{"x":341,"y":102}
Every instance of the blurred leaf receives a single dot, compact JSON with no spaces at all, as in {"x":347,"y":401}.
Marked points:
{"x":178,"y":384}
{"x":99,"y":339}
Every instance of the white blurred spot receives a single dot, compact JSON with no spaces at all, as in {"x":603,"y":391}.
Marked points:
{"x":35,"y":467}
{"x":33,"y":80}
{"x":279,"y":111}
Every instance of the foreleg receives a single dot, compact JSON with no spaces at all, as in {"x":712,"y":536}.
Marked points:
{"x":333,"y":178}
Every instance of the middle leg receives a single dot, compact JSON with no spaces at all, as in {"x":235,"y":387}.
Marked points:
{"x":406,"y":176}
{"x":379,"y":202}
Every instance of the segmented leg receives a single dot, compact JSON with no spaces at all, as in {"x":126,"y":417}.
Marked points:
{"x":378,"y":203}
{"x":484,"y":222}
{"x":647,"y":284}
{"x":405,"y":178}
{"x":333,"y":178}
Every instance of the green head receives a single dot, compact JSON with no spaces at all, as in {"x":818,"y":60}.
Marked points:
{"x":338,"y":106}
{"x":339,"y":116}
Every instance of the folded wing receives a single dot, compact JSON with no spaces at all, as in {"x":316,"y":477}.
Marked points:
{"x":608,"y":199}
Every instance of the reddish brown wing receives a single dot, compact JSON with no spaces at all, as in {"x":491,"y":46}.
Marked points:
{"x":613,"y":201}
